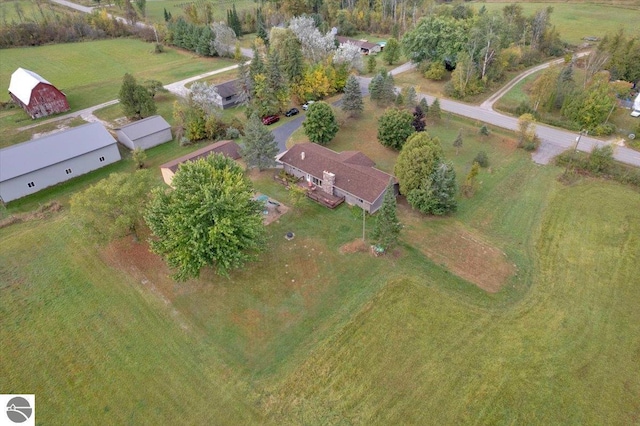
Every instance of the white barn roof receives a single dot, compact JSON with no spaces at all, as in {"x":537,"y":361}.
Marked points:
{"x":37,"y":154}
{"x":145,"y":127}
{"x":23,"y":82}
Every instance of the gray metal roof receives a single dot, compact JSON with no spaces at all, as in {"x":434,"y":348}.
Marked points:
{"x":37,"y":154}
{"x":145,"y":127}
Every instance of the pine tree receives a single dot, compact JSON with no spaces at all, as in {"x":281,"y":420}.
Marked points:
{"x":457,"y":143}
{"x":424,"y":105}
{"x":260,"y":146}
{"x":167,"y":15}
{"x":261,"y":27}
{"x":375,"y":87}
{"x":388,"y":90}
{"x":410,"y":97}
{"x":292,"y":61}
{"x":236,"y":25}
{"x":434,"y":110}
{"x":371,"y":64}
{"x":352,"y":99}
{"x":135,"y":99}
{"x":436,"y":194}
{"x":469,"y":186}
{"x":386,"y":228}
{"x":418,"y":119}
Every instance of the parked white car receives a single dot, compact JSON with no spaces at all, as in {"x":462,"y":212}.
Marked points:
{"x":305,"y":106}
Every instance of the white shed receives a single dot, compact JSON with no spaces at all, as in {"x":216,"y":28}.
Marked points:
{"x":28,"y":167}
{"x":145,"y":133}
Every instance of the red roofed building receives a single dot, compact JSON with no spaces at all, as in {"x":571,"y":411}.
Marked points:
{"x":36,"y":95}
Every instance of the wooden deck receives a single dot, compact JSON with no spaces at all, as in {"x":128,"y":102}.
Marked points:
{"x":318,"y":195}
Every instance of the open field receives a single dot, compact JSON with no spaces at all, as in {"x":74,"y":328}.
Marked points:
{"x":28,"y":11}
{"x":155,"y":8}
{"x":311,"y":334}
{"x":575,"y":20}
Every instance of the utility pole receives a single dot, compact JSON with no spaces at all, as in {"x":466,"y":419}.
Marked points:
{"x":575,"y":149}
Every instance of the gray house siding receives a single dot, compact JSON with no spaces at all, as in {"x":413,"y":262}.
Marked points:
{"x":349,"y":198}
{"x":37,"y":180}
{"x":145,"y":142}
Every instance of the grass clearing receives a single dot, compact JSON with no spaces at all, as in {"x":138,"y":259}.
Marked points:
{"x":576,"y":20}
{"x":414,"y":355}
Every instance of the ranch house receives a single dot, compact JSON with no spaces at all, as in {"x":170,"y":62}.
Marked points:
{"x":366,"y":48}
{"x":227,"y":94}
{"x":28,"y":167}
{"x":349,"y":175}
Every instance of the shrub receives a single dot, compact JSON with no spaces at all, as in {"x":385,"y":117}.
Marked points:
{"x":232,"y":133}
{"x":600,"y":160}
{"x":436,"y":71}
{"x":482,"y":159}
{"x":525,"y":108}
{"x":484,"y":130}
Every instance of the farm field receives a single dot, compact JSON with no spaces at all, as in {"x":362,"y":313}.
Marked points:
{"x":575,"y":20}
{"x":155,"y":8}
{"x":91,"y":72}
{"x":319,"y":333}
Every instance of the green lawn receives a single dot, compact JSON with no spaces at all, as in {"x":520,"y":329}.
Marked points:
{"x":312,"y":335}
{"x":155,"y":8}
{"x":91,"y":72}
{"x":28,"y":11}
{"x":575,"y":20}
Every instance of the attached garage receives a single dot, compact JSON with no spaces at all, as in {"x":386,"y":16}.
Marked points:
{"x":28,"y":167}
{"x":145,"y":133}
{"x":36,"y":95}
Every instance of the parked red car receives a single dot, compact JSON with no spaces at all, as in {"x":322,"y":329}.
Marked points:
{"x":270,"y":119}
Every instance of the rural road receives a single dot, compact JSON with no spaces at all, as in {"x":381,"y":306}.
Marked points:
{"x":553,"y":140}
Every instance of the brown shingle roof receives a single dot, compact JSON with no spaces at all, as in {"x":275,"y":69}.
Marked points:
{"x":360,"y":43}
{"x":228,"y":88}
{"x":354,"y":171}
{"x":228,"y":148}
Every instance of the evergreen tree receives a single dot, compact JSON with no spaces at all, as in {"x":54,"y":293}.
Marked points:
{"x":276,"y":80}
{"x":436,"y":194}
{"x":434,"y":111}
{"x":388,"y":94}
{"x":261,"y":30}
{"x":321,"y":125}
{"x":352,"y":99}
{"x":469,"y":186}
{"x":484,"y":130}
{"x":204,"y":45}
{"x":410,"y":97}
{"x":457,"y":143}
{"x":257,"y":65}
{"x":418,"y":119}
{"x":244,"y":84}
{"x":386,"y":228}
{"x":424,"y":105}
{"x":375,"y":87}
{"x":292,"y":61}
{"x":167,"y":15}
{"x":235,"y":25}
{"x":260,"y":146}
{"x":371,"y":64}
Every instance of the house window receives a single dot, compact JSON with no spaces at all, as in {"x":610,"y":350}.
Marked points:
{"x":228,"y":98}
{"x":31,"y":184}
{"x":68,"y":171}
{"x":316,"y":181}
{"x":101,"y":159}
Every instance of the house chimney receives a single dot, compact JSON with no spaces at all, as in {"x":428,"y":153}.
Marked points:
{"x":328,"y":180}
{"x":302,"y":155}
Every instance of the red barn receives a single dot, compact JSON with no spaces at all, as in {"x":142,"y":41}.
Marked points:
{"x":36,"y":95}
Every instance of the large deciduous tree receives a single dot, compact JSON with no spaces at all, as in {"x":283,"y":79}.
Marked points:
{"x":135,"y":99}
{"x":436,"y":194}
{"x":436,"y":38}
{"x":417,"y":161}
{"x":321,"y":125}
{"x":260,"y":146}
{"x":114,"y":206}
{"x":352,"y":100}
{"x":391,"y":51}
{"x":386,"y":228}
{"x":209,"y":219}
{"x":394,"y":127}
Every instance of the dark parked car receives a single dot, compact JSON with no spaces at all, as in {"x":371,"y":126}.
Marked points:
{"x":291,"y":112}
{"x":270,"y":119}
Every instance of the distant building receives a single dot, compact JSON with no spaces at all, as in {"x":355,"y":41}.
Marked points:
{"x":366,"y":48}
{"x":228,"y":148}
{"x":228,"y":94}
{"x":350,"y":174}
{"x":36,"y":95}
{"x":28,"y":167}
{"x":145,"y":133}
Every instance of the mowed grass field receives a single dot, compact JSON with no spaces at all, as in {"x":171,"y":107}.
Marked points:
{"x":579,"y":19}
{"x":155,"y":8}
{"x":91,"y":72}
{"x":315,"y":334}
